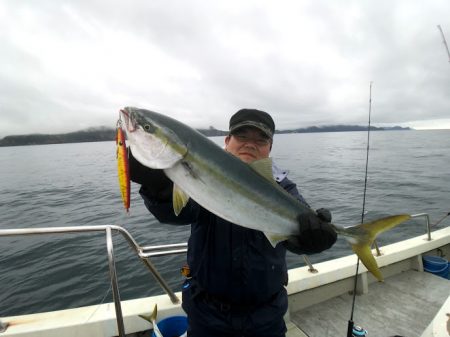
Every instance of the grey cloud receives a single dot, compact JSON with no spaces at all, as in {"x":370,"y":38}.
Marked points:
{"x":309,"y":63}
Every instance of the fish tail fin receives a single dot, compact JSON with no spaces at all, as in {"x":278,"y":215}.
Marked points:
{"x":365,"y":255}
{"x":152,"y":317}
{"x":146,"y":317}
{"x":373,"y":229}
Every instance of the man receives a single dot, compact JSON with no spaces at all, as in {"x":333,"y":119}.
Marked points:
{"x":236,"y":282}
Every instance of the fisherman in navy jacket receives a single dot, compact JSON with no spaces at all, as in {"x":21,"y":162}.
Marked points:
{"x":236,"y":282}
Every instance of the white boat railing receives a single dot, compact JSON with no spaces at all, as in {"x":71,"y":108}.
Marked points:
{"x":144,"y":253}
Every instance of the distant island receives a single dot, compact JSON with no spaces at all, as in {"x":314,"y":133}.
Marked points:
{"x":343,"y":128}
{"x":102,"y":134}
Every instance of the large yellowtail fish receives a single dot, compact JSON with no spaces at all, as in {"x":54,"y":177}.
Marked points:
{"x":122,"y":167}
{"x":220,"y":182}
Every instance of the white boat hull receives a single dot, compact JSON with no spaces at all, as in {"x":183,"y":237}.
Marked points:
{"x":305,"y":289}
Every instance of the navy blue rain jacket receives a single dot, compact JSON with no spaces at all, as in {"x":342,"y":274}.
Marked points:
{"x":228,"y":261}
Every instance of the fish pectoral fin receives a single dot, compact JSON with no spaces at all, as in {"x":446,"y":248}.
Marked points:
{"x":368,"y":260}
{"x":274,"y":239}
{"x":179,"y":199}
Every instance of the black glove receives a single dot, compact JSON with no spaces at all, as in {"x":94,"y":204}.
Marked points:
{"x":315,"y":235}
{"x":154,"y":182}
{"x":324,"y":214}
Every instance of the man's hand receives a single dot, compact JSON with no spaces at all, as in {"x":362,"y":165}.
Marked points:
{"x":155,"y":182}
{"x":324,"y":214}
{"x":316,"y":234}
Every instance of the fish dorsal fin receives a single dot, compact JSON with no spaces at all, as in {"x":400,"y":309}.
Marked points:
{"x":264,"y":168}
{"x":179,"y":199}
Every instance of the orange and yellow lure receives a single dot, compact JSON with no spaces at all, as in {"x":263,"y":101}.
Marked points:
{"x":122,"y":166}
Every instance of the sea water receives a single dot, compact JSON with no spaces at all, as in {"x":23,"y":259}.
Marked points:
{"x":77,"y":185}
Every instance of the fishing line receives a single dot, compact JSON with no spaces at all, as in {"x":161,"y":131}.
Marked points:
{"x":440,"y":220}
{"x":350,"y":322}
{"x":99,"y":305}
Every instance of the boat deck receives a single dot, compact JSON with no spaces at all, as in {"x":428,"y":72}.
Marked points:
{"x":403,"y":305}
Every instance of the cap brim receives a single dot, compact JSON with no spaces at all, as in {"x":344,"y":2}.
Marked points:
{"x":257,"y":125}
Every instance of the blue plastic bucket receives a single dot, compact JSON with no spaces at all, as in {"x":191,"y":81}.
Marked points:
{"x":172,"y":326}
{"x":436,"y":265}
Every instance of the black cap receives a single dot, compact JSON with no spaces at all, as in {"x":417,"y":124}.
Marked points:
{"x":254,"y":118}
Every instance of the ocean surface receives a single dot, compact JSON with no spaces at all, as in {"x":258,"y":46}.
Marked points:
{"x":76,"y":185}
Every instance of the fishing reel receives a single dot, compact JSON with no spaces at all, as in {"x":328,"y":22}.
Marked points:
{"x":358,"y":331}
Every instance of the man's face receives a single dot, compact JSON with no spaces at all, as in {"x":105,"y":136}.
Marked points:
{"x":248,"y":144}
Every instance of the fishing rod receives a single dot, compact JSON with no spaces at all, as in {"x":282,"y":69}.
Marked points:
{"x":351,"y":326}
{"x":444,"y":42}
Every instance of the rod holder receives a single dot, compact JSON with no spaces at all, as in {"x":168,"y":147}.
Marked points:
{"x":3,"y":326}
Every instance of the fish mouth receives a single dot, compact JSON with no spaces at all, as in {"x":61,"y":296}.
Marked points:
{"x":129,"y":119}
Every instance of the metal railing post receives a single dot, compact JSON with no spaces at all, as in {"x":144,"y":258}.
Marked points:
{"x":3,"y":326}
{"x":427,"y":217}
{"x":308,"y":262}
{"x":114,"y":285}
{"x":161,"y":281}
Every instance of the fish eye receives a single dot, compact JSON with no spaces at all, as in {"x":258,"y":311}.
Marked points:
{"x":149,"y":128}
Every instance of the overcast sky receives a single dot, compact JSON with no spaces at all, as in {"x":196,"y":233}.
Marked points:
{"x":70,"y":65}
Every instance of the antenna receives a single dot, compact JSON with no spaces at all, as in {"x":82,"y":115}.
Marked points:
{"x":444,"y":42}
